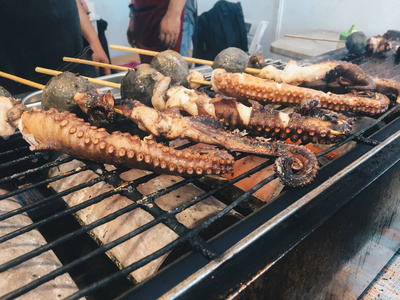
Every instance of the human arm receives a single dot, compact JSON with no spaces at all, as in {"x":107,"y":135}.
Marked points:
{"x":129,"y":33}
{"x":91,"y":36}
{"x":170,"y":25}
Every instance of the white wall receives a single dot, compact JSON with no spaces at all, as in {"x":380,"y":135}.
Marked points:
{"x":373,"y":17}
{"x":116,"y":13}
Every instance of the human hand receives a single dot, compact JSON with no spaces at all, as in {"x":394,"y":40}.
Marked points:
{"x":99,"y":55}
{"x":169,"y":29}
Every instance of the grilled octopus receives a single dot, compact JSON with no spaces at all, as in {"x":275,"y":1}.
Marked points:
{"x":257,"y":120}
{"x":332,"y":75}
{"x":329,"y":72}
{"x":10,"y":113}
{"x":296,"y":165}
{"x":64,"y":132}
{"x":244,"y":86}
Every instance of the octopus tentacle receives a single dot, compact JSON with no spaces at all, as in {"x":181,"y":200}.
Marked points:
{"x":351,"y":76}
{"x":244,"y":86}
{"x":388,"y":87}
{"x":295,"y":166}
{"x":256,"y":61}
{"x":207,"y":130}
{"x":267,"y":122}
{"x":100,"y":111}
{"x":172,"y":125}
{"x":256,"y":119}
{"x":344,"y":73}
{"x":64,"y":132}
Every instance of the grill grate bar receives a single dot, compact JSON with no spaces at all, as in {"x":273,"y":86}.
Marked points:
{"x":13,"y":151}
{"x":162,"y":251}
{"x":32,"y":156}
{"x":202,"y":247}
{"x":31,"y":186}
{"x":52,"y":218}
{"x":34,"y":170}
{"x":367,"y":141}
{"x":179,"y":228}
{"x":47,"y":200}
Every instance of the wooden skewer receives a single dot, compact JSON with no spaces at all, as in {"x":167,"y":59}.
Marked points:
{"x":188,"y":59}
{"x":205,"y":82}
{"x":22,"y":80}
{"x":89,"y":62}
{"x":314,"y":38}
{"x":92,"y":80}
{"x":95,"y":63}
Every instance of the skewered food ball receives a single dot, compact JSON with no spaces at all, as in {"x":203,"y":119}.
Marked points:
{"x":138,"y":84}
{"x":231,"y":59}
{"x":60,"y":91}
{"x":4,"y":92}
{"x":356,"y":43}
{"x":171,"y":64}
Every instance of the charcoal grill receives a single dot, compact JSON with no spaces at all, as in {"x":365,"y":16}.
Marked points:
{"x":328,"y":239}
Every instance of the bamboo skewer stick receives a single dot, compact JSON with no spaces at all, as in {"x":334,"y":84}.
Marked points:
{"x":92,"y":80}
{"x":205,"y":82}
{"x":89,"y":62}
{"x":22,"y":80}
{"x":188,"y":59}
{"x":314,"y":38}
{"x":95,"y":63}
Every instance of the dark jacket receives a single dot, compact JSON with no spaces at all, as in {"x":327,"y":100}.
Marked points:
{"x":221,"y":27}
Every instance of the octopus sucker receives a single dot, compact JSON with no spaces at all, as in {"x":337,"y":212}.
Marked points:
{"x":41,"y":131}
{"x":350,"y":101}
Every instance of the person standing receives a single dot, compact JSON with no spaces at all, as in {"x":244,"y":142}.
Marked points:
{"x":189,"y":21}
{"x":155,"y":25}
{"x":41,"y":33}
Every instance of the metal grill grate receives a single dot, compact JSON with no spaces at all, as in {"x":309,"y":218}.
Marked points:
{"x":25,"y":175}
{"x":42,"y":162}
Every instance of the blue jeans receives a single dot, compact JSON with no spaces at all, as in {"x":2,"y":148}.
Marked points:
{"x":187,"y":34}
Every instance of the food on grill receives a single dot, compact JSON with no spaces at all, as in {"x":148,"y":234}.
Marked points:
{"x":4,"y":92}
{"x":244,"y":86}
{"x":325,"y":127}
{"x":139,"y":83}
{"x":231,"y":59}
{"x":195,"y":75}
{"x":24,"y":273}
{"x":10,"y":113}
{"x":256,"y":61}
{"x":356,"y":43}
{"x":64,"y":132}
{"x":323,"y":74}
{"x":171,"y":64}
{"x":99,"y":110}
{"x":296,"y":165}
{"x":150,"y":240}
{"x":389,"y":87}
{"x":378,"y":44}
{"x":60,"y":90}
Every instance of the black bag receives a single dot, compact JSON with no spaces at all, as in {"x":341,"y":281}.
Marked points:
{"x":221,"y":27}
